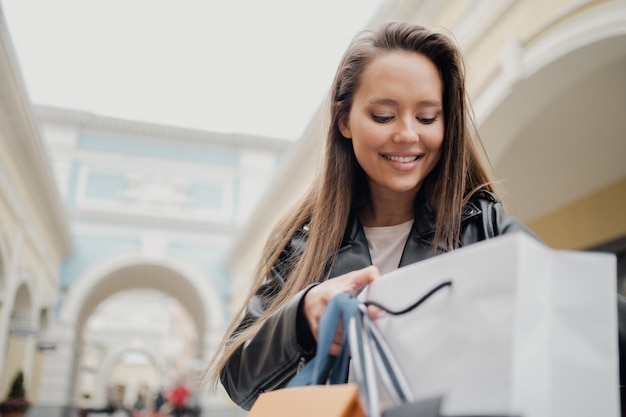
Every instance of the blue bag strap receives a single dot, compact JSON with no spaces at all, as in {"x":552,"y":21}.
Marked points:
{"x":324,"y":367}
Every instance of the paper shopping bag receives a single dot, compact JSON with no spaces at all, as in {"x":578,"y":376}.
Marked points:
{"x":523,"y":330}
{"x":340,"y":400}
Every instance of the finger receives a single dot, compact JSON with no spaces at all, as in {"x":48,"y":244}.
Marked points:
{"x":316,"y":299}
{"x":354,"y":280}
{"x":375,"y":312}
{"x":314,"y":328}
{"x":362,"y":277}
{"x":335,"y":349}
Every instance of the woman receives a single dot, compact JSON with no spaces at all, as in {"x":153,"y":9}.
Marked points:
{"x":402,"y":171}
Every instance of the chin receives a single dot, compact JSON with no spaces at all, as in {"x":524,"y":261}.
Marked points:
{"x":413,"y":188}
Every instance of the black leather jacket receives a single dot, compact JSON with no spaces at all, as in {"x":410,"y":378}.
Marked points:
{"x":272,"y":356}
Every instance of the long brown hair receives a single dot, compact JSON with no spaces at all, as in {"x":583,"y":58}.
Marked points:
{"x":342,"y":186}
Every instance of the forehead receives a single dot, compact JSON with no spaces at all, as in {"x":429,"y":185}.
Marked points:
{"x":401,"y":72}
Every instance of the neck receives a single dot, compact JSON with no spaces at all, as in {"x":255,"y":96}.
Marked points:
{"x":382,"y":212}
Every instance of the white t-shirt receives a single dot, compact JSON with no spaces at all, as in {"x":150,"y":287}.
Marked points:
{"x":386,"y":244}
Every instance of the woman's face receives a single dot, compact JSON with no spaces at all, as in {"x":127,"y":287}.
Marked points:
{"x":396,"y":122}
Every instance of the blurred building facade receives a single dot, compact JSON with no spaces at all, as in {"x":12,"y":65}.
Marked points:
{"x":156,"y":208}
{"x":35,"y":236}
{"x":125,"y":246}
{"x":151,"y":207}
{"x":113,"y":241}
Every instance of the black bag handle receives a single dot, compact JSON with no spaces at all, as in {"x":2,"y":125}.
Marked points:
{"x":412,"y":306}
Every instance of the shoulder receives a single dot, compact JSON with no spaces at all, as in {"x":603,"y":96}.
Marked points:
{"x":484,"y":198}
{"x":495,"y":219}
{"x":480,"y":206}
{"x":292,"y":251}
{"x":298,"y":240}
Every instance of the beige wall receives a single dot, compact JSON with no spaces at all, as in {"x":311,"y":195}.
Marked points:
{"x":32,"y":217}
{"x":36,"y":375}
{"x":591,"y":221}
{"x":16,"y":351}
{"x":8,"y":218}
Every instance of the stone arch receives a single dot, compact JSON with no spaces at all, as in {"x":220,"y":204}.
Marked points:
{"x":135,"y":271}
{"x":113,"y":356}
{"x":23,"y":318}
{"x":524,"y":113}
{"x":22,"y":327}
{"x":177,"y":278}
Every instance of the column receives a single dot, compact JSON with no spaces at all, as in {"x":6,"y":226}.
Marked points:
{"x":58,"y":376}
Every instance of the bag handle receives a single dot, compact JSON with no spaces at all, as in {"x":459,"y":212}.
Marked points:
{"x":412,"y":306}
{"x":324,"y":367}
{"x":372,"y":357}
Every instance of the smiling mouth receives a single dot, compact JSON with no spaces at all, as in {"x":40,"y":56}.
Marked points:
{"x":396,"y":158}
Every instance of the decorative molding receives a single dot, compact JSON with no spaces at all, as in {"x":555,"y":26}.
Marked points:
{"x":134,"y":232}
{"x":18,"y":208}
{"x":580,"y":27}
{"x":154,"y":193}
{"x":92,"y":121}
{"x":522,"y":59}
{"x":19,"y":331}
{"x":198,"y":224}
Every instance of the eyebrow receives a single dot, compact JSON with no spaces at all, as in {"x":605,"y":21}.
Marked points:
{"x":388,"y":101}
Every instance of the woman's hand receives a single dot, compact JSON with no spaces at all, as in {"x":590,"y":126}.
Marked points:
{"x":317,"y":298}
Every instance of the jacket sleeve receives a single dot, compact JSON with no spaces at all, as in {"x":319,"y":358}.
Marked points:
{"x":269,"y":359}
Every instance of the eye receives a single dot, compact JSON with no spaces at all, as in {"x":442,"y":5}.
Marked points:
{"x":382,"y":118}
{"x":427,"y":120}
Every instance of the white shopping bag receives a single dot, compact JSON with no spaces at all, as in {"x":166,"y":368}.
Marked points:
{"x":523,"y":330}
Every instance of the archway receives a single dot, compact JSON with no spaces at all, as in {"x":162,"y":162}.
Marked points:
{"x":553,"y":120}
{"x":21,"y":338}
{"x":167,"y":275}
{"x":114,"y":356}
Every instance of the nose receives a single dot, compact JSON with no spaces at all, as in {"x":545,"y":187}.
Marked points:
{"x":407,"y":131}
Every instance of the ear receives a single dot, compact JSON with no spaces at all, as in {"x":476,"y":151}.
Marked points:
{"x":344,"y":126}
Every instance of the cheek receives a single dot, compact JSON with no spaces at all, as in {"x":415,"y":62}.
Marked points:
{"x":435,"y":139}
{"x":360,"y":152}
{"x":434,"y":144}
{"x":366,"y":154}
{"x":369,"y":136}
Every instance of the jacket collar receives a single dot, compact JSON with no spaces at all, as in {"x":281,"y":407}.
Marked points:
{"x":424,"y":224}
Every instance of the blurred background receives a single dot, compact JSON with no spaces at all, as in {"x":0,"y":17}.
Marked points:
{"x":147,"y":148}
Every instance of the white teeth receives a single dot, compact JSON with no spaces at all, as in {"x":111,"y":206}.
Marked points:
{"x":401,"y":158}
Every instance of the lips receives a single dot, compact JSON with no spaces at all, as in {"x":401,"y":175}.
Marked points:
{"x":402,"y":158}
